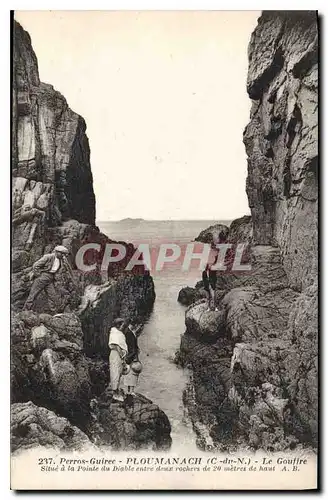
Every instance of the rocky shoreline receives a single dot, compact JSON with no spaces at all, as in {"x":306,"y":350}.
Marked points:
{"x":59,"y":352}
{"x":254,"y":361}
{"x":254,"y":366}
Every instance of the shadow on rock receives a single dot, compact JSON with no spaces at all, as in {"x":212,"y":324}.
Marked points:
{"x":133,"y":424}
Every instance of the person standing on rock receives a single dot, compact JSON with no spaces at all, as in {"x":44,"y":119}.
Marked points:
{"x":44,"y":271}
{"x":131,"y":378}
{"x":117,"y":356}
{"x":209,"y":278}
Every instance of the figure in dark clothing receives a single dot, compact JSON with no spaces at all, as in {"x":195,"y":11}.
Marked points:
{"x":209,"y":278}
{"x":131,"y":332}
{"x":44,"y":271}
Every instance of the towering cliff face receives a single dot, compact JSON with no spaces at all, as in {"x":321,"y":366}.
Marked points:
{"x":53,"y":200}
{"x":281,"y":140}
{"x":254,"y":361}
{"x":49,"y":143}
{"x":60,"y":350}
{"x":49,"y":149}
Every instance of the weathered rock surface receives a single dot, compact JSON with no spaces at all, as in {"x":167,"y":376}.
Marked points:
{"x":50,"y":149}
{"x":49,"y":366}
{"x":52,"y":179}
{"x":127,"y":296}
{"x":241,"y":230}
{"x":33,"y":426}
{"x":264,"y":340}
{"x":213,"y":234}
{"x":302,"y":361}
{"x":206,"y":397}
{"x":281,"y":139}
{"x":136,"y":423}
{"x":53,"y":200}
{"x":204,"y":324}
{"x":189,"y":295}
{"x":270,"y":378}
{"x":59,"y":352}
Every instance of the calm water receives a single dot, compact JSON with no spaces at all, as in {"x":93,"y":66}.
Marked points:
{"x":161,"y":380}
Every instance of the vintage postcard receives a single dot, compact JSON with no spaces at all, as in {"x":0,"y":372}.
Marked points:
{"x":164,"y":328}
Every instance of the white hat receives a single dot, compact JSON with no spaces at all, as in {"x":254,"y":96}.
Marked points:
{"x":136,"y":367}
{"x":61,"y":249}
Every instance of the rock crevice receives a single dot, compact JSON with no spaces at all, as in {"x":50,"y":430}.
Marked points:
{"x":59,"y":352}
{"x":254,"y":362}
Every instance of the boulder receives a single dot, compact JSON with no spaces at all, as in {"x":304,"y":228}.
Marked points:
{"x":136,"y":423}
{"x":200,"y":322}
{"x":33,"y":426}
{"x":40,"y":337}
{"x":218,"y":233}
{"x":67,"y":326}
{"x":189,"y":295}
{"x":241,"y":230}
{"x":136,"y":295}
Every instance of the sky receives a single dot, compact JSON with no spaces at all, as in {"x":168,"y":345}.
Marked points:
{"x":164,"y":98}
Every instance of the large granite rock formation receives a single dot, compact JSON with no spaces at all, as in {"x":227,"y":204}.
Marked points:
{"x":49,"y":143}
{"x":263,"y":390}
{"x":60,"y":351}
{"x":281,"y":139}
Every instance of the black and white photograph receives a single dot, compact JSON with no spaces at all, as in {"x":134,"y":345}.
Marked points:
{"x":164,"y":250}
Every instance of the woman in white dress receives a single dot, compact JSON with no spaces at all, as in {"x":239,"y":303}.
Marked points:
{"x":118,"y":351}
